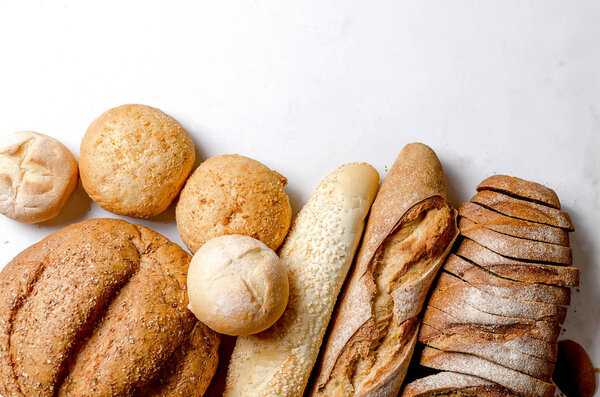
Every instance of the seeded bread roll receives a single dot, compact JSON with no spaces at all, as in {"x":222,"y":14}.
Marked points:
{"x":37,"y":175}
{"x":237,"y":285}
{"x":134,"y":160}
{"x":318,"y":253}
{"x":232,"y":194}
{"x":410,"y":231}
{"x":99,"y":308}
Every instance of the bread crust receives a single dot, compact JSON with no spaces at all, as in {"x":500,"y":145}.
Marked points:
{"x":514,"y":247}
{"x":503,"y":287}
{"x":521,"y":188}
{"x":515,"y":335}
{"x":97,"y":308}
{"x":134,"y":160}
{"x":454,"y":384}
{"x":564,"y":276}
{"x":414,"y":186}
{"x":494,"y":351}
{"x":452,"y":288}
{"x":233,"y":194}
{"x":318,"y":252}
{"x":523,"y":209}
{"x":512,"y":226}
{"x":472,"y":365}
{"x":37,"y":175}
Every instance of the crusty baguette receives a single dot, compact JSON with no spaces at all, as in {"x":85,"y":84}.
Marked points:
{"x":521,"y":188}
{"x":514,"y":247}
{"x":513,"y":226}
{"x":464,"y":312}
{"x":564,"y":276}
{"x":452,"y":288}
{"x":494,"y":351}
{"x":516,"y":335}
{"x":410,"y":231}
{"x":523,"y":209}
{"x":318,"y":253}
{"x":503,"y":287}
{"x":472,"y":365}
{"x":456,"y":385}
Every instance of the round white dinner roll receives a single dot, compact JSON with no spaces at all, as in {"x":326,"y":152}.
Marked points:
{"x":237,"y":285}
{"x":37,"y":175}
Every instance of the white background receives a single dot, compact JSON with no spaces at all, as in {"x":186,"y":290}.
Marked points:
{"x":493,"y":86}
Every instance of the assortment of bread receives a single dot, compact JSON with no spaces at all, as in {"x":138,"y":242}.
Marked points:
{"x":108,"y":308}
{"x":496,"y":310}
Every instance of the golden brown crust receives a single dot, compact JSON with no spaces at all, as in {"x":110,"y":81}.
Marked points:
{"x":503,"y":287}
{"x":450,"y":287}
{"x":134,"y":160}
{"x":232,"y":194}
{"x":411,"y":227}
{"x":520,"y":188}
{"x":518,"y":335}
{"x":452,"y":384}
{"x":513,"y":226}
{"x":514,"y":247}
{"x":564,"y":276}
{"x":524,"y":210}
{"x":96,"y":308}
{"x":472,"y":365}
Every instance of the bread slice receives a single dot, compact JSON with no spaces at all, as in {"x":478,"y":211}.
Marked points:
{"x":456,"y":385}
{"x":514,"y":247}
{"x":516,"y":336}
{"x":513,"y":226}
{"x":472,"y":365}
{"x":564,"y":276}
{"x":523,"y":209}
{"x":318,"y":253}
{"x":543,"y":330}
{"x":410,"y":232}
{"x":521,"y":188}
{"x":451,"y":288}
{"x":492,"y":351}
{"x":493,"y":284}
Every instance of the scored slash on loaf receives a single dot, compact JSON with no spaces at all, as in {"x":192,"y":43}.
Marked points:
{"x":410,"y":231}
{"x":496,"y":310}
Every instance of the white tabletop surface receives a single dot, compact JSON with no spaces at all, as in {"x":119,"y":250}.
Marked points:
{"x":492,"y":86}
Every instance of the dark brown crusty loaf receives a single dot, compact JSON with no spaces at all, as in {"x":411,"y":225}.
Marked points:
{"x":99,"y":309}
{"x":497,"y":308}
{"x":410,"y":231}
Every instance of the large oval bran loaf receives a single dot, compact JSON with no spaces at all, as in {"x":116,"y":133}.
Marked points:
{"x":99,"y":308}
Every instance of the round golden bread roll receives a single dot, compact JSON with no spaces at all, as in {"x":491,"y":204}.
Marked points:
{"x":134,"y":160}
{"x":237,"y":285}
{"x":37,"y":175}
{"x":232,"y":194}
{"x":99,"y":308}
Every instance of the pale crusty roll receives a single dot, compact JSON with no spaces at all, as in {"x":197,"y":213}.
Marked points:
{"x":410,"y":231}
{"x":37,"y":175}
{"x":318,"y":253}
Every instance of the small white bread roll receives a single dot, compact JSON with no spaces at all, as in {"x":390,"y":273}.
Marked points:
{"x":37,"y":175}
{"x":318,"y":253}
{"x":237,"y":285}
